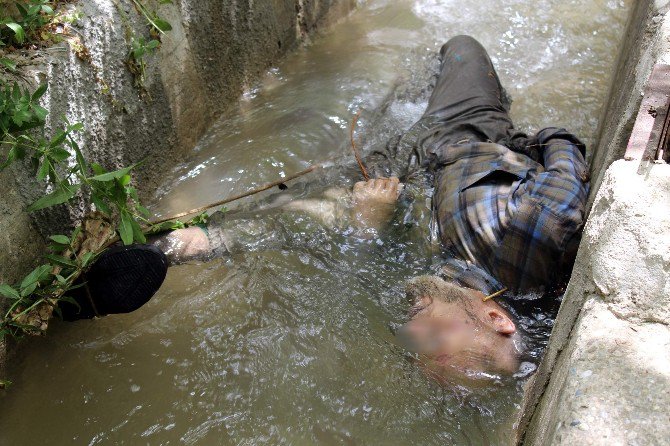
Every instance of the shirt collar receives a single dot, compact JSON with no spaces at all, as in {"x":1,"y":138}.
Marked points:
{"x":469,"y":275}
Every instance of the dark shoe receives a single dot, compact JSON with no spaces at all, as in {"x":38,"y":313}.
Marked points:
{"x":122,"y":280}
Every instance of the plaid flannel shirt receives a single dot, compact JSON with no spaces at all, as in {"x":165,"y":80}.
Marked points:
{"x":508,"y":217}
{"x":511,"y":218}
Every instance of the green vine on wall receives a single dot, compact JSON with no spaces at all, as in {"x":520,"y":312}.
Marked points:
{"x":25,"y":27}
{"x":58,"y":161}
{"x":158,"y":25}
{"x":34,"y":22}
{"x":140,"y":47}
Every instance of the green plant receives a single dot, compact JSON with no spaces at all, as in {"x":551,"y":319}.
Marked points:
{"x":19,"y":112}
{"x":33,"y":15}
{"x":157,"y":24}
{"x":43,"y":287}
{"x":58,"y":161}
{"x":7,"y":64}
{"x":139,"y":46}
{"x":199,"y":220}
{"x":136,"y":62}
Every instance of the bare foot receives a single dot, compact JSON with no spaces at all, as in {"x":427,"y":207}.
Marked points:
{"x":374,"y":201}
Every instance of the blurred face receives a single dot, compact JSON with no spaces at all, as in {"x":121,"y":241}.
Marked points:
{"x":458,"y":336}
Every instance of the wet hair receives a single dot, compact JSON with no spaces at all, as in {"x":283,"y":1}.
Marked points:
{"x":432,"y":287}
{"x":423,"y":291}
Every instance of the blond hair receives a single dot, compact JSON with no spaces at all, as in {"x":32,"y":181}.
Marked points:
{"x":433,"y":287}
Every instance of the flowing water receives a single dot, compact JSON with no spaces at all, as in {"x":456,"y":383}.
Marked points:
{"x":296,"y":346}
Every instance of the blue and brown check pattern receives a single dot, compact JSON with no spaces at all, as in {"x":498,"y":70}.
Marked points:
{"x":516,"y":219}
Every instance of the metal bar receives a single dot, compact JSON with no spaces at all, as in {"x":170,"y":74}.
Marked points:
{"x":650,"y":132}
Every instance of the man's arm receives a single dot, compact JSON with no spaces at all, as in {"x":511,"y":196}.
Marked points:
{"x":567,"y":173}
{"x":563,"y":153}
{"x":183,"y":245}
{"x":369,"y":207}
{"x":563,"y":158}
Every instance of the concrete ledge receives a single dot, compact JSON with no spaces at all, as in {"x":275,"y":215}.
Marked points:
{"x":611,"y":385}
{"x":604,"y":366}
{"x":609,"y":355}
{"x":644,"y":44}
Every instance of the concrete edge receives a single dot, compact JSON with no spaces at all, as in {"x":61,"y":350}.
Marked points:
{"x":645,"y":44}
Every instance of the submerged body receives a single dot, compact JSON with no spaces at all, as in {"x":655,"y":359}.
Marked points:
{"x":509,"y":209}
{"x":296,"y":346}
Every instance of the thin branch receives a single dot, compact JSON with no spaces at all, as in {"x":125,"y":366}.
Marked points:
{"x":147,"y":15}
{"x":239,"y":196}
{"x":364,"y":171}
{"x":496,"y":294}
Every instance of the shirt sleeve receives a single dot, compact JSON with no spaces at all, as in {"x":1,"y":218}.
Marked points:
{"x":564,"y":158}
{"x":414,"y":219}
{"x":317,"y":221}
{"x":401,"y":157}
{"x":541,"y":239}
{"x":307,"y":221}
{"x":564,"y":186}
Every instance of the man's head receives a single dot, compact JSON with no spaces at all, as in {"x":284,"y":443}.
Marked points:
{"x":456,"y":334}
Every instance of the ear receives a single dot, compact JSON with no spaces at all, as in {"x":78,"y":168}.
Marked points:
{"x":501,"y":321}
{"x":425,"y":300}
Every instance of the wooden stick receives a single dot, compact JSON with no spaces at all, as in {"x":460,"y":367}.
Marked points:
{"x":364,"y":171}
{"x":239,"y":196}
{"x":496,"y":294}
{"x":265,"y":187}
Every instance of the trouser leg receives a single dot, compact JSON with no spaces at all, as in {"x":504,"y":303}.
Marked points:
{"x":467,"y":104}
{"x":468,"y":101}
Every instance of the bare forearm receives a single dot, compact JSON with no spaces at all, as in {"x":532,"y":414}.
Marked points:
{"x":374,"y":202}
{"x":183,"y":245}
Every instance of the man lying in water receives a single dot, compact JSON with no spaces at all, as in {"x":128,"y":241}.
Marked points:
{"x":509,"y":209}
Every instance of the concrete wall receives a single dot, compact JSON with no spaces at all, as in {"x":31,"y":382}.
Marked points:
{"x":216,"y":49}
{"x":605,"y":378}
{"x":642,"y":47}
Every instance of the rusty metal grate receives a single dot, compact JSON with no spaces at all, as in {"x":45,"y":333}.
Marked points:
{"x":650,"y":138}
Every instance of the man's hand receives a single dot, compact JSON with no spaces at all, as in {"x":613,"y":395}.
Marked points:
{"x":374,"y":201}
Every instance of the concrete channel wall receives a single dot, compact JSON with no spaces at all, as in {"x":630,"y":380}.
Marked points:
{"x":605,"y":378}
{"x":216,"y":49}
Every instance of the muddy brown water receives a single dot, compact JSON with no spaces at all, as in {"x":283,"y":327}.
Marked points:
{"x":296,"y":346}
